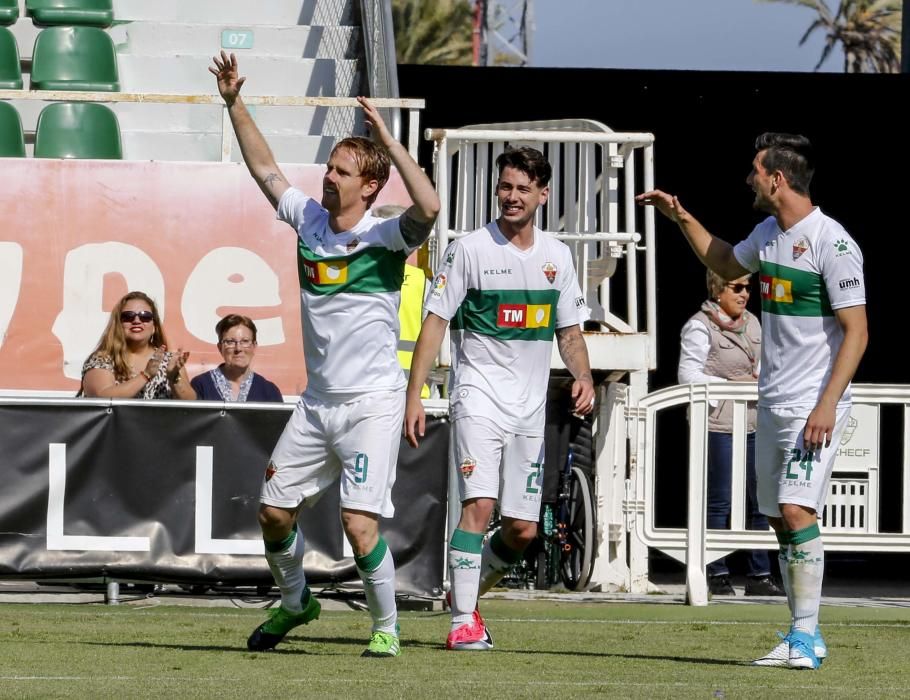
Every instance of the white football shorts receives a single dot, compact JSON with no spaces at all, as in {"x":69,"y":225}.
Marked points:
{"x":494,"y":463}
{"x":785,"y":471}
{"x":357,"y":439}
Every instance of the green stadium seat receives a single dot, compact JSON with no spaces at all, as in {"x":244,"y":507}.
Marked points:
{"x":77,"y":130}
{"x":74,"y":58}
{"x":9,"y":11}
{"x":95,"y":13}
{"x":12,"y":140}
{"x":10,"y":68}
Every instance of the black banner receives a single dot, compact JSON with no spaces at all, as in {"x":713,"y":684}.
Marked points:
{"x":168,"y":492}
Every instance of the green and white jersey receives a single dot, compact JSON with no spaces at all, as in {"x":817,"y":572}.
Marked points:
{"x":350,"y":286}
{"x":504,"y":306}
{"x":805,"y":275}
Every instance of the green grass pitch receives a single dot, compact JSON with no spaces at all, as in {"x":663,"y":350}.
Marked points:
{"x":542,"y":649}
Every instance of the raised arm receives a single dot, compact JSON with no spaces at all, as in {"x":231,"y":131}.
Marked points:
{"x":820,"y":424}
{"x":256,"y":152}
{"x":417,"y":220}
{"x":574,"y":353}
{"x":715,"y":253}
{"x":431,"y":334}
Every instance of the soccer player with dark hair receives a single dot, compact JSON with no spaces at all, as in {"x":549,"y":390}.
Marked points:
{"x":505,"y":290}
{"x":814,"y":335}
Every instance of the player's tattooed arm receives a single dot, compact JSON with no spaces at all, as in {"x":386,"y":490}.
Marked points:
{"x":273,"y":185}
{"x":574,"y":353}
{"x":414,"y":231}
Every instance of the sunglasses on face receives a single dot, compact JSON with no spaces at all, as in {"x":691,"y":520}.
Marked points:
{"x":737,"y":288}
{"x":231,"y":342}
{"x":130,"y":316}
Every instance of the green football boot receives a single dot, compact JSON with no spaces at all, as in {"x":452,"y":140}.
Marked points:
{"x":280,"y":622}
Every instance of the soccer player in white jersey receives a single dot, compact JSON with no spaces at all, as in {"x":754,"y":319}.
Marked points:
{"x":813,"y":336}
{"x":347,"y":422}
{"x":505,"y":290}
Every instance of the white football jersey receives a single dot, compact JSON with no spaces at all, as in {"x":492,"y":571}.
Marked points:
{"x":805,"y":275}
{"x":504,"y":306}
{"x":350,"y":285}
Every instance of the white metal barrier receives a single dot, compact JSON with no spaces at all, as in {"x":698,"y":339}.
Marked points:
{"x":850,"y":521}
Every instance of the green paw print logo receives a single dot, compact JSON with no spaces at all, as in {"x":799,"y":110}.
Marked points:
{"x":842,"y":247}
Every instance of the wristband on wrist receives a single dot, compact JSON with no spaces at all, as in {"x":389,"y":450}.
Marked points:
{"x":148,"y":377}
{"x":176,"y":380}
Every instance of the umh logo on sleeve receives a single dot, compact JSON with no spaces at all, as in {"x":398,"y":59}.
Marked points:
{"x":326,"y":272}
{"x":523,"y":316}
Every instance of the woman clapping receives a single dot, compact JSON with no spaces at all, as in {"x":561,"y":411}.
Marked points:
{"x":132,"y":359}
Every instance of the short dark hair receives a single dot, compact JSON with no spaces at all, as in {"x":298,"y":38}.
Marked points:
{"x":231,"y":320}
{"x":529,"y":161}
{"x":792,"y":154}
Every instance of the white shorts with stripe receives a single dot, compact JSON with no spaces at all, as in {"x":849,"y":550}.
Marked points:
{"x":357,"y":439}
{"x":494,"y":463}
{"x":785,"y":471}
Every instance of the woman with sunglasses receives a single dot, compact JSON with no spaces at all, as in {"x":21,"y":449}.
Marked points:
{"x":131,"y":360}
{"x":722,"y":343}
{"x":234,"y":379}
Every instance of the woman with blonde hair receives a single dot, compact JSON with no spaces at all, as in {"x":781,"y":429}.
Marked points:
{"x":132,"y":360}
{"x":722,"y":343}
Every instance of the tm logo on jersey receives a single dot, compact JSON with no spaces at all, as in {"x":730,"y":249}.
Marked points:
{"x":328,"y":272}
{"x":776,"y":289}
{"x":523,"y":316}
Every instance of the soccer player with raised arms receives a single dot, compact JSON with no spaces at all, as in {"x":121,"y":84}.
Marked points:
{"x":814,"y":334}
{"x":347,"y":422}
{"x":505,"y":290}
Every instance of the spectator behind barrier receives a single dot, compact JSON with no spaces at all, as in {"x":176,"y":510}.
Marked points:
{"x":131,"y":361}
{"x":721,"y":343}
{"x":234,"y":379}
{"x":410,"y":307}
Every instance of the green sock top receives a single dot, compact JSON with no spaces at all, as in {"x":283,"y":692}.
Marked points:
{"x":370,"y":562}
{"x":464,"y":541}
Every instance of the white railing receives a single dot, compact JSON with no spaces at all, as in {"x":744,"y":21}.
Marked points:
{"x":695,"y":545}
{"x":413,"y":106}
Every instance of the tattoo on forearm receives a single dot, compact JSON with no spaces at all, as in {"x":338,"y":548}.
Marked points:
{"x":414,"y":232}
{"x":272,"y":178}
{"x":574,"y":352}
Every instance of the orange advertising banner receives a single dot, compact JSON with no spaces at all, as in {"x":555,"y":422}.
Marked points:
{"x":199,"y":238}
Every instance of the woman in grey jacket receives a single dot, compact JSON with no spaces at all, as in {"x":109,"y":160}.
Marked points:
{"x":720,"y":343}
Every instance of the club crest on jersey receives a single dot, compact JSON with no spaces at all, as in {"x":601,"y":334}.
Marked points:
{"x":549,"y":271}
{"x":326,"y":272}
{"x":270,"y":470}
{"x":467,"y":467}
{"x":523,"y":316}
{"x":439,"y":285}
{"x":800,"y":247}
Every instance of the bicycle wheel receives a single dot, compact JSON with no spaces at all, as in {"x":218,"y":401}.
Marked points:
{"x":577,"y":559}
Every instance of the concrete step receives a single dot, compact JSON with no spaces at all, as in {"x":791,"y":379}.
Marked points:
{"x":193,"y":132}
{"x":143,"y":145}
{"x":147,"y":145}
{"x":313,"y":77}
{"x":271,"y":12}
{"x":170,"y":39}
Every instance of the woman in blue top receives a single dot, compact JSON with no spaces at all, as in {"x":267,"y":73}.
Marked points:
{"x":234,"y":379}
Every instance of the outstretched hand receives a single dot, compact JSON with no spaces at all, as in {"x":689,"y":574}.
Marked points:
{"x":666,"y":204}
{"x":229,"y":84}
{"x":378,"y":129}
